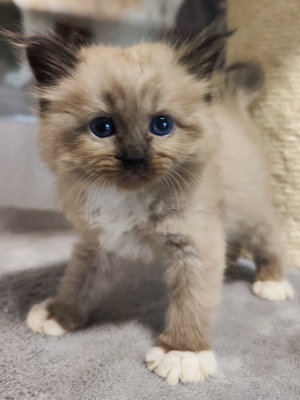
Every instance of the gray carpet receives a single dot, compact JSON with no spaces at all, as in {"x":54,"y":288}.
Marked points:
{"x":257,"y":342}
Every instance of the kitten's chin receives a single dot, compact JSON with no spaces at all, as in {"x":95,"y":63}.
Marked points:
{"x":133,"y":181}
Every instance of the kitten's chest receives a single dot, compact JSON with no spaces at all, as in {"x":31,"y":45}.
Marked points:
{"x":122,"y":218}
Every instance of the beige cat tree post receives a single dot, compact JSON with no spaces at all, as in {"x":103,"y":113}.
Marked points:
{"x":268,"y":32}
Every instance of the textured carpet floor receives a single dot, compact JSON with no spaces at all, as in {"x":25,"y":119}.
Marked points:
{"x":257,"y":342}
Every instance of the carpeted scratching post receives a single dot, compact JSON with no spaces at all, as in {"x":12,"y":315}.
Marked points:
{"x":268,"y":32}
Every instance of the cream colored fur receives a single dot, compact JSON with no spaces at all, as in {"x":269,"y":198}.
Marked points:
{"x":202,"y":190}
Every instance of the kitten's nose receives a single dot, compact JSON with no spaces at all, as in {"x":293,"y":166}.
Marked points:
{"x":134,"y":163}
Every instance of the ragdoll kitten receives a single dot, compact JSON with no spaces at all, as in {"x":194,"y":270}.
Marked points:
{"x":151,"y":147}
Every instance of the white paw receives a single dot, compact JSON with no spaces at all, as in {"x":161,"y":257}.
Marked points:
{"x":38,"y":321}
{"x":272,"y":290}
{"x":183,"y":366}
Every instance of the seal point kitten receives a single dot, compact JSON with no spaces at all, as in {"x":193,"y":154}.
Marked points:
{"x":151,"y":147}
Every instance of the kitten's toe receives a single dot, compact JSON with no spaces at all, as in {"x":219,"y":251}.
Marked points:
{"x":181,"y":366}
{"x":272,"y":290}
{"x":38,"y":320}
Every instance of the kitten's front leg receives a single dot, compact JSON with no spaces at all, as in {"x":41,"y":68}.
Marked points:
{"x":194,"y":277}
{"x":87,"y":278}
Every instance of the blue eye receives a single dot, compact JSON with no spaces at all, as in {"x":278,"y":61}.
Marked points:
{"x":161,"y":125}
{"x":102,"y":127}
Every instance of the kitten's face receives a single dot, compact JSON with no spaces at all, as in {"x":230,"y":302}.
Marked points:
{"x":126,"y":117}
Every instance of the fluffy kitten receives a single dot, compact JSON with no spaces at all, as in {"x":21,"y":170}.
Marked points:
{"x":152,"y":147}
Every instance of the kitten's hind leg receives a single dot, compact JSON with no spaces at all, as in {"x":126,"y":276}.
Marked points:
{"x":270,"y":282}
{"x":87,"y":278}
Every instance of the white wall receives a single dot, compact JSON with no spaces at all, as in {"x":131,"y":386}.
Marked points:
{"x":25,"y":181}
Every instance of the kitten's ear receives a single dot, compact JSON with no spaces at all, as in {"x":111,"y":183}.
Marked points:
{"x":204,"y":53}
{"x":243,"y":81}
{"x":49,"y":59}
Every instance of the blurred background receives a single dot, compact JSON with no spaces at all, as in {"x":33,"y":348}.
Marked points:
{"x":24,"y":181}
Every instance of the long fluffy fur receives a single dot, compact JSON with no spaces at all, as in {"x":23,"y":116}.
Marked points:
{"x":203,"y":194}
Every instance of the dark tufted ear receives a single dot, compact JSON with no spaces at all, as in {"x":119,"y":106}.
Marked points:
{"x":49,"y":58}
{"x":205,"y":53}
